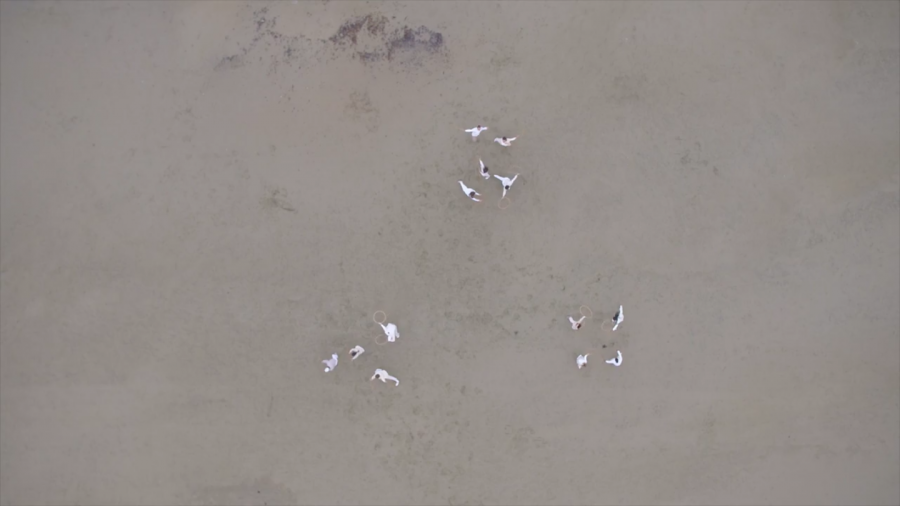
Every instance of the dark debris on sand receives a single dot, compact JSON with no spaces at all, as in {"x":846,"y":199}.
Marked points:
{"x":390,"y":43}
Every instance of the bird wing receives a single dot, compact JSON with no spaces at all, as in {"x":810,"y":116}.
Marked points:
{"x":482,"y":163}
{"x":513,"y":180}
{"x":465,"y":188}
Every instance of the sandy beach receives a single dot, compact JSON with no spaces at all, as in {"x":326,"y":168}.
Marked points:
{"x":201,"y":201}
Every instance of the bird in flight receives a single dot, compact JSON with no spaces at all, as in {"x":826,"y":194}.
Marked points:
{"x":484,"y":170}
{"x":582,"y":360}
{"x":390,"y":330}
{"x":469,"y":192}
{"x":617,"y":360}
{"x":618,"y":318}
{"x":507,"y":182}
{"x":576,"y":324}
{"x":505,"y":141}
{"x":475,"y":131}
{"x":331,"y":363}
{"x":381,"y":374}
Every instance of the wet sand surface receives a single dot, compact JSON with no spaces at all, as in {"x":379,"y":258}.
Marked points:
{"x":201,"y":201}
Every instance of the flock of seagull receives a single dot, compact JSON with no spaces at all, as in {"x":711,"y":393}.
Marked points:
{"x":392,"y":333}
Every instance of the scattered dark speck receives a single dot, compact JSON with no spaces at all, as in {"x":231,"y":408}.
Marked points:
{"x":349,"y":30}
{"x":368,"y":56}
{"x":604,"y":346}
{"x":234,"y":61}
{"x":422,"y":37}
{"x":404,"y":38}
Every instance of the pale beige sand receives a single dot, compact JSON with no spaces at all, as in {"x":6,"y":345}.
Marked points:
{"x":201,"y":201}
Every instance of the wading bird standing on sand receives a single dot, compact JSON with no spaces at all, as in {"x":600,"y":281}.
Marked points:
{"x":390,"y":330}
{"x":505,"y":141}
{"x":582,"y":360}
{"x":507,"y":182}
{"x":576,"y":324}
{"x":617,"y":360}
{"x":618,"y":318}
{"x":469,"y":192}
{"x":356,"y":351}
{"x":381,"y":374}
{"x":331,"y":363}
{"x":475,"y":131}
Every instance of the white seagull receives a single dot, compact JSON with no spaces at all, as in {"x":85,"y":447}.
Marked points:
{"x":617,"y":361}
{"x":331,"y":363}
{"x":356,"y":351}
{"x":383,"y":375}
{"x":617,"y":319}
{"x":507,"y":182}
{"x":576,"y":324}
{"x":475,"y":131}
{"x":505,"y":141}
{"x":390,"y":330}
{"x":582,"y":360}
{"x":469,"y":192}
{"x":484,"y":170}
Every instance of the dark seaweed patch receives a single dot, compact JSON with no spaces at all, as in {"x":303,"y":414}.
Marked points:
{"x":389,"y":43}
{"x":421,"y":38}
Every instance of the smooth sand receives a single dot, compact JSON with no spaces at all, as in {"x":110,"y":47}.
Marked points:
{"x":201,"y":201}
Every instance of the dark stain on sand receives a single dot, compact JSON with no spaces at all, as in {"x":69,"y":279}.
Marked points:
{"x":370,"y":39}
{"x":276,"y":198}
{"x":382,"y":42}
{"x":350,"y":29}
